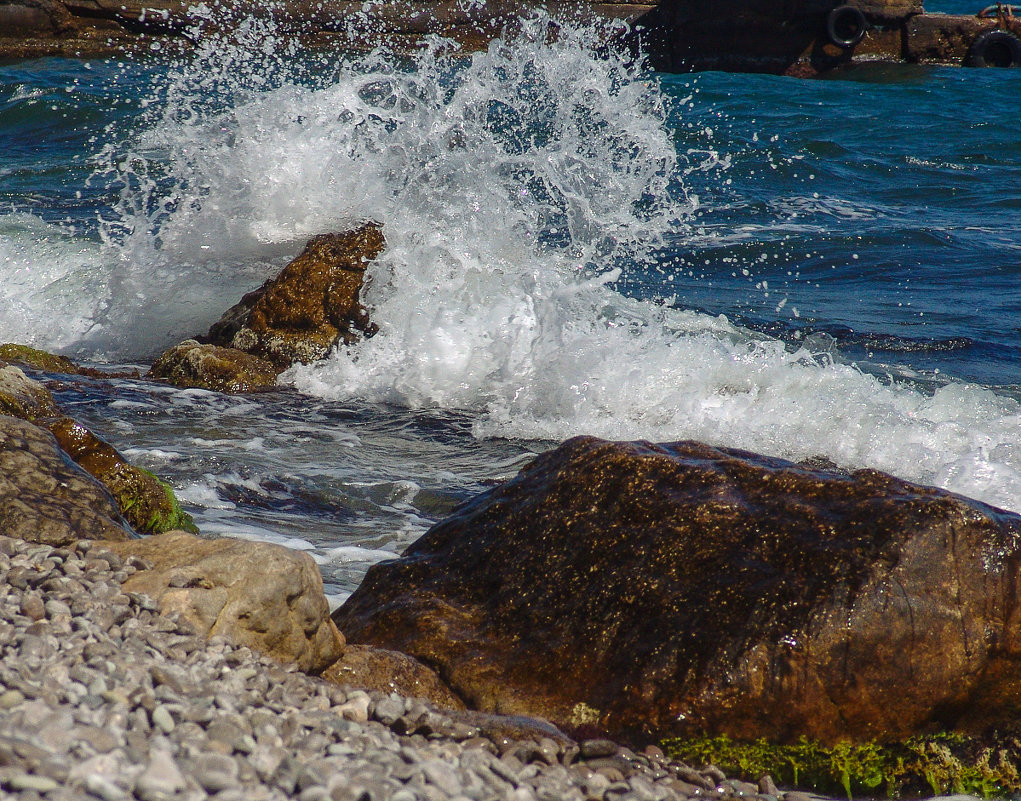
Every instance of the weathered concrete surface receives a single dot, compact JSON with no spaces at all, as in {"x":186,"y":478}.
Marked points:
{"x":44,"y":497}
{"x":791,"y":37}
{"x":787,"y":36}
{"x":684,"y":589}
{"x":256,"y":594}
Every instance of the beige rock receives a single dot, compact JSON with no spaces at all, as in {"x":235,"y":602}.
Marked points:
{"x":255,"y":594}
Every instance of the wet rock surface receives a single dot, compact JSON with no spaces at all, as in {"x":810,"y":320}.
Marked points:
{"x":44,"y":497}
{"x":682,"y":589}
{"x":103,"y":697}
{"x":36,"y":359}
{"x":22,"y":397}
{"x":255,"y":594}
{"x":310,"y":307}
{"x":192,"y":364}
{"x":32,"y":28}
{"x":146,"y":503}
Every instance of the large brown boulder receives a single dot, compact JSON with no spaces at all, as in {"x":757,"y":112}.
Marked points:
{"x":256,"y":594}
{"x":684,"y":589}
{"x":310,"y":307}
{"x":44,"y":497}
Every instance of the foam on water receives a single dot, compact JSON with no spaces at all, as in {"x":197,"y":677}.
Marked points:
{"x":515,"y":187}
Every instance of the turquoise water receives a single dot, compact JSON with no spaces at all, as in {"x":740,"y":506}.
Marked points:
{"x":801,"y":268}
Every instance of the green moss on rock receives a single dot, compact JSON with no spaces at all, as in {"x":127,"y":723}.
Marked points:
{"x":937,"y":764}
{"x":22,"y":397}
{"x":37,"y":359}
{"x":147,"y":502}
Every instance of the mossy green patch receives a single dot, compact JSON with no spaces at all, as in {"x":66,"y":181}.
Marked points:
{"x":172,"y":517}
{"x":36,"y":359}
{"x":147,"y":502}
{"x":937,"y":764}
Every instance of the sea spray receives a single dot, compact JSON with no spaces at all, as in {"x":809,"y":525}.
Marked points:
{"x":493,"y":298}
{"x":520,"y":189}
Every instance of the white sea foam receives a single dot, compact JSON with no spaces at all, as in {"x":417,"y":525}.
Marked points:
{"x":514,"y":186}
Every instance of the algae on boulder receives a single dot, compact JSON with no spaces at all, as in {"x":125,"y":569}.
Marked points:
{"x":22,"y":397}
{"x":37,"y":359}
{"x":145,"y":501}
{"x":985,"y":766}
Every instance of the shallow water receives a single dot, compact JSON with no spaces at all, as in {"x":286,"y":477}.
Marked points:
{"x":575,"y":245}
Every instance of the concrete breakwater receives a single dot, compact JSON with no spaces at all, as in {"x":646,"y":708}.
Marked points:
{"x":812,"y":36}
{"x":802,"y":37}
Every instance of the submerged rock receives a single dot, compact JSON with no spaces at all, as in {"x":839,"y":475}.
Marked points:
{"x":310,"y":307}
{"x":649,"y":590}
{"x":191,"y":364}
{"x":256,"y":594}
{"x":44,"y":498}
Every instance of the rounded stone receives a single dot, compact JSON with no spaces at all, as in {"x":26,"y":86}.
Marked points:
{"x":32,"y":606}
{"x":28,"y":781}
{"x":162,"y":719}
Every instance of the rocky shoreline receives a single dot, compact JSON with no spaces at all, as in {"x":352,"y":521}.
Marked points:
{"x":625,"y":591}
{"x":96,"y":28}
{"x":102,"y":696}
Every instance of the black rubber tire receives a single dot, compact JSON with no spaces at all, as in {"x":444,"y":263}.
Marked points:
{"x":846,"y":26}
{"x":995,"y":48}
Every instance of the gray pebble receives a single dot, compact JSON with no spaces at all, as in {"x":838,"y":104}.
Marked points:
{"x":161,"y":778}
{"x":28,"y":781}
{"x":103,"y":788}
{"x":162,"y":719}
{"x":132,"y":704}
{"x":215,"y":772}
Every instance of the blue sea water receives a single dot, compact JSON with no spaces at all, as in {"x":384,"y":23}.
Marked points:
{"x":575,"y":246}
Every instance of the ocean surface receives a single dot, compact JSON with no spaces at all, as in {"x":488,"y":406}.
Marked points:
{"x":576,"y":245}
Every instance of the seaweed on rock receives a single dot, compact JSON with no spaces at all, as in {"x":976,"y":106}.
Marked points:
{"x":940,"y":764}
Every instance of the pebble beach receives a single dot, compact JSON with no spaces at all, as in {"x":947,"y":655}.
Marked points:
{"x":103,"y":697}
